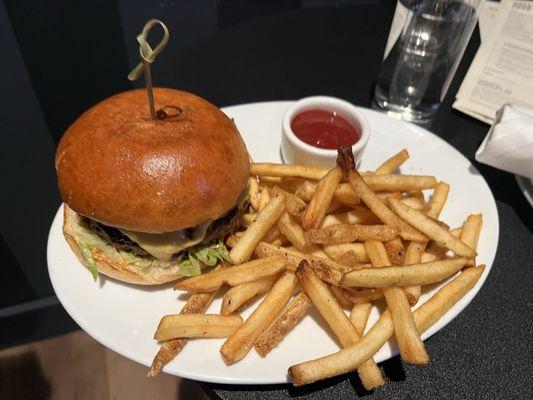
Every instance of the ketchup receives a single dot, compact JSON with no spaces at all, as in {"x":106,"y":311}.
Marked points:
{"x":324,"y":129}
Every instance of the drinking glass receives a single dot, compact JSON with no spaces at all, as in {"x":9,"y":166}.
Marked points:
{"x":426,"y":43}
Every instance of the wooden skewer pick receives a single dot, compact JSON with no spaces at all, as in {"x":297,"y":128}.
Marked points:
{"x":147,"y":57}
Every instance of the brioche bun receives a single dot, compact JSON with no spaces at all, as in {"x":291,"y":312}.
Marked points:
{"x":119,"y":167}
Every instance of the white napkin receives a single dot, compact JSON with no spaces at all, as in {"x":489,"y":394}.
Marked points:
{"x":509,"y":143}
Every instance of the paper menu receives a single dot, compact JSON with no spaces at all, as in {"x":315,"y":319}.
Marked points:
{"x":502,"y":70}
{"x":486,"y":19}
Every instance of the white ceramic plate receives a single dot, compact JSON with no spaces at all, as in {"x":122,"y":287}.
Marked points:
{"x":124,"y":317}
{"x":526,"y":187}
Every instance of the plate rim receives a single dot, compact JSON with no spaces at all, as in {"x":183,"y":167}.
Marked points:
{"x":440,"y":324}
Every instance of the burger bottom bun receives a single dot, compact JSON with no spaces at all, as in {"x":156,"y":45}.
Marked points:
{"x":118,"y":270}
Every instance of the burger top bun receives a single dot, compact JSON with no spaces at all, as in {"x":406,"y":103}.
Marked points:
{"x":119,"y":167}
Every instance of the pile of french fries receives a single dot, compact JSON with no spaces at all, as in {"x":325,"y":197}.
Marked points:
{"x":338,"y":240}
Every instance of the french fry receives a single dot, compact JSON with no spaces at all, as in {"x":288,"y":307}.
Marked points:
{"x":373,"y":202}
{"x":411,"y":347}
{"x":471,"y":230}
{"x":363,"y":295}
{"x":270,"y":180}
{"x":429,"y":257}
{"x":358,"y":215}
{"x":359,"y":316}
{"x":197,"y":326}
{"x":413,"y":255}
{"x":196,"y":304}
{"x":255,"y":232}
{"x":341,"y":296}
{"x":438,"y":200}
{"x":289,"y":317}
{"x":233,"y":276}
{"x":336,"y":234}
{"x":306,"y":191}
{"x":335,"y":207}
{"x":349,"y":297}
{"x":295,"y":205}
{"x":264,"y":198}
{"x":326,"y":269}
{"x":415,"y":250}
{"x":247,"y":219}
{"x":232,"y":239}
{"x":414,"y":203}
{"x":239,"y":343}
{"x":435,"y":251}
{"x":337,"y":320}
{"x":346,"y":253}
{"x":288,"y":170}
{"x":344,"y":194}
{"x":441,"y":302}
{"x":399,"y":183}
{"x":292,"y":231}
{"x":415,"y":274}
{"x":238,"y":296}
{"x":393,"y":163}
{"x":395,"y":251}
{"x":273,"y":235}
{"x":288,"y":185}
{"x":253,"y":190}
{"x":318,"y":252}
{"x":432,"y":229}
{"x":351,"y":358}
{"x":384,"y":195}
{"x":316,"y":210}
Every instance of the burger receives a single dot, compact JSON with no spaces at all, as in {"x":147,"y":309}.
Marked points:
{"x":147,"y":201}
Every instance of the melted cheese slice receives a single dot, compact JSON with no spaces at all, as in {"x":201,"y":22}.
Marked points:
{"x":164,"y":245}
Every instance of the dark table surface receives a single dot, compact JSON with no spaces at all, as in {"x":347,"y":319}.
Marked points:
{"x":485,"y":352}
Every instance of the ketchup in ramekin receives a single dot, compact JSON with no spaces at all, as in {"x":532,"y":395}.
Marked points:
{"x":324,"y":129}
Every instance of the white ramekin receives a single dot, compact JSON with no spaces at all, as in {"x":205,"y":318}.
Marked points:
{"x":295,"y":151}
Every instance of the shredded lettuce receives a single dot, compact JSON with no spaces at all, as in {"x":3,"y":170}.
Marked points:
{"x":86,"y":251}
{"x":190,"y":267}
{"x":209,"y":255}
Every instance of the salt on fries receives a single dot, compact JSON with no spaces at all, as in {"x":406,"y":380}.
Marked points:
{"x":337,"y":240}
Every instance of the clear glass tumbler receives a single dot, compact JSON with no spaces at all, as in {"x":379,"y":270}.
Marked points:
{"x":426,"y":42}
